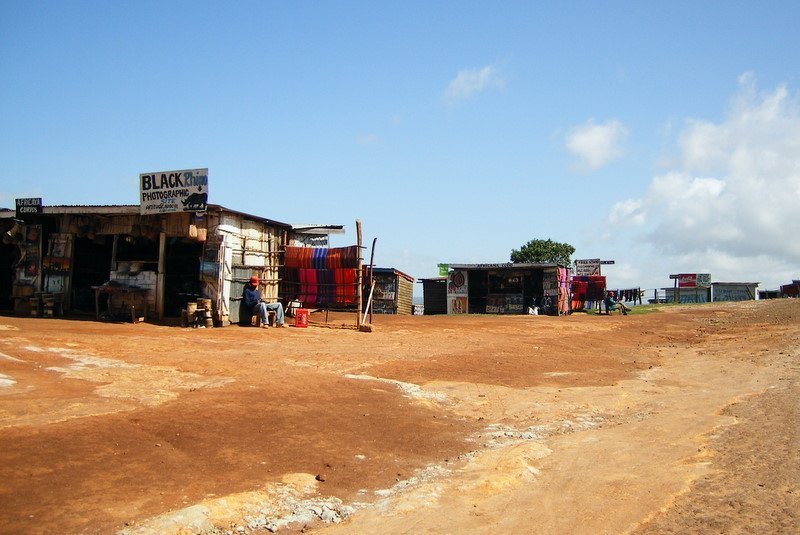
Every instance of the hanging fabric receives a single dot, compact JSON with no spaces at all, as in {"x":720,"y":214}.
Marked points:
{"x":321,"y":276}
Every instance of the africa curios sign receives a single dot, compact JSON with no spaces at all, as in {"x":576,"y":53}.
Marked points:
{"x":173,"y":191}
{"x":30,"y":206}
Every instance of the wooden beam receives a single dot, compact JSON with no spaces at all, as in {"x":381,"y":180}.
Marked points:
{"x":360,"y":275}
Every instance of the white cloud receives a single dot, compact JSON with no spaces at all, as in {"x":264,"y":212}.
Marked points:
{"x":471,"y":81}
{"x":595,"y":145}
{"x":627,"y":212}
{"x":730,"y":206}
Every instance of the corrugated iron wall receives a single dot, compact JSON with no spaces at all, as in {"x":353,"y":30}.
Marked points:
{"x":405,"y":295}
{"x":256,"y":250}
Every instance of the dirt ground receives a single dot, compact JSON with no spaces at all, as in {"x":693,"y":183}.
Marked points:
{"x":683,"y":420}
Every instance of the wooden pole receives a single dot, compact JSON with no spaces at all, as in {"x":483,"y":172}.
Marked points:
{"x":162,"y":253}
{"x":360,"y":276}
{"x":371,"y":277}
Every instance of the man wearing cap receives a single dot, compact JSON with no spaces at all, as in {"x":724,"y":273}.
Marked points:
{"x":252,"y":301}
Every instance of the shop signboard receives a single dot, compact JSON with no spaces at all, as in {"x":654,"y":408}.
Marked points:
{"x":587,"y":268}
{"x":166,"y":192}
{"x":30,"y":206}
{"x":504,"y":304}
{"x":495,"y":304}
{"x":514,"y":304}
{"x":443,"y":269}
{"x":550,"y":284}
{"x":457,"y":292}
{"x":457,"y":282}
{"x":692,"y":280}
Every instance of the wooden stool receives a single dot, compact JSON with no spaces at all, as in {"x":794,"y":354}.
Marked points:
{"x":255,"y":319}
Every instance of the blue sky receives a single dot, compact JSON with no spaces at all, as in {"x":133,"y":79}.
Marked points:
{"x":662,"y":135}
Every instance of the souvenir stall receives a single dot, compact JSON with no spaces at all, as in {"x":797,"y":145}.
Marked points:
{"x":102,"y":259}
{"x":510,"y":288}
{"x":393,"y":292}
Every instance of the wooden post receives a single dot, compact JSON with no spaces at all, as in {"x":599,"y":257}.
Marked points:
{"x":162,"y":253}
{"x":371,"y":277}
{"x":360,"y":276}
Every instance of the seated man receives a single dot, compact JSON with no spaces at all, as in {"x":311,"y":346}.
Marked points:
{"x":252,"y":302}
{"x":612,"y":304}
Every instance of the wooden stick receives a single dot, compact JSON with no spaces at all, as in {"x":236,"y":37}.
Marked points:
{"x":369,"y":302}
{"x":360,"y":275}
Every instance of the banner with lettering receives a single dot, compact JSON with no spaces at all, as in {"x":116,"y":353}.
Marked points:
{"x":30,"y":206}
{"x":173,"y":191}
{"x":587,"y":268}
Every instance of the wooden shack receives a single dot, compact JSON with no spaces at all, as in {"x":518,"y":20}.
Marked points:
{"x":508,"y":288}
{"x":107,"y":257}
{"x":394,"y":291}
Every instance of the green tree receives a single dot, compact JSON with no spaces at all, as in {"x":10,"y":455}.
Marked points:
{"x":540,"y":251}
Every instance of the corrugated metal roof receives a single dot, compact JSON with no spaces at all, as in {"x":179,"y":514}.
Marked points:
{"x":318,"y":229}
{"x":392,"y":270}
{"x":507,"y":265}
{"x":133,"y":209}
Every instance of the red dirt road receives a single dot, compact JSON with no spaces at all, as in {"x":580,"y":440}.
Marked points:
{"x":438,"y":423}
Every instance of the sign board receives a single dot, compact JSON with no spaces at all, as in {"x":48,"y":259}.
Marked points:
{"x":550,"y":284}
{"x":587,"y":268}
{"x":504,"y":304}
{"x":28,"y":207}
{"x":443,"y":269}
{"x":457,"y":283}
{"x":457,"y":292}
{"x":166,"y":192}
{"x":692,"y":280}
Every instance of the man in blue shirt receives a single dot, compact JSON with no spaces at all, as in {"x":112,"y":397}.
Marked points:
{"x":253,"y":303}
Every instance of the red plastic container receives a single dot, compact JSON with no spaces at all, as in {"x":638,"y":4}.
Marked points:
{"x":301,"y":317}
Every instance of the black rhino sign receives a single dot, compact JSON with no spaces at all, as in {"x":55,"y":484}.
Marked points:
{"x":173,"y":191}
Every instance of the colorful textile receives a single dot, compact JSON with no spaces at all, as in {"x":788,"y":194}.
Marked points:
{"x":321,"y":276}
{"x":587,"y":288}
{"x":321,"y":258}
